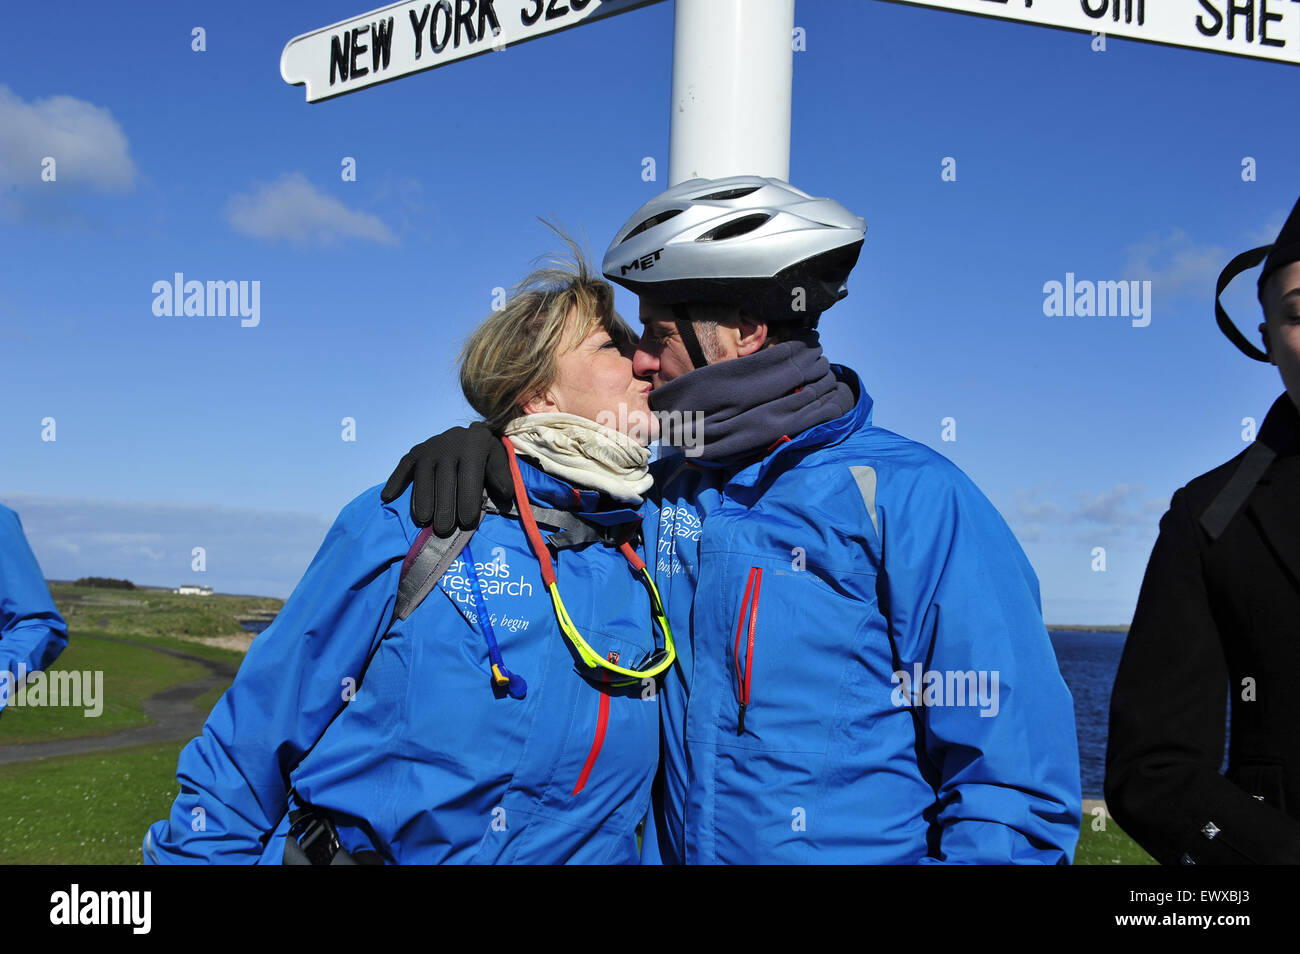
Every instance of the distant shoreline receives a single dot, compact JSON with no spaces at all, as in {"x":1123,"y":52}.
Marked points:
{"x":1088,"y":629}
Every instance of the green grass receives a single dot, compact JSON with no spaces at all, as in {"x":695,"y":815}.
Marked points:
{"x":1109,"y":847}
{"x":130,"y":674}
{"x":165,"y":642}
{"x":85,"y":809}
{"x":157,"y":613}
{"x":95,"y":808}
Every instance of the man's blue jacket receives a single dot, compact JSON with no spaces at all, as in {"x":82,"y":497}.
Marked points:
{"x":429,"y":763}
{"x":32,"y":633}
{"x":868,"y":610}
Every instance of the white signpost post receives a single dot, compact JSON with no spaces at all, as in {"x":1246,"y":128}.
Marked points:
{"x":1266,"y":29}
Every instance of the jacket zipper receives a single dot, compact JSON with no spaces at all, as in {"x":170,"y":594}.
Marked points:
{"x":602,"y":723}
{"x":744,"y":676}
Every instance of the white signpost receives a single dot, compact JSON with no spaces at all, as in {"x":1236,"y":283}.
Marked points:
{"x":732,"y":59}
{"x":1266,"y":29}
{"x":411,"y":37}
{"x":732,"y":65}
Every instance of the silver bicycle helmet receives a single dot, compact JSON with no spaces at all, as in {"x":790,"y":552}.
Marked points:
{"x":746,"y":240}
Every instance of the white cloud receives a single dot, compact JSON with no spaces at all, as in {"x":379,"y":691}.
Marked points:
{"x":1174,"y":264}
{"x":1121,"y":510}
{"x":1029,"y":507}
{"x":1267,"y":233}
{"x":86,"y":142}
{"x":1110,"y":508}
{"x":294,"y":210}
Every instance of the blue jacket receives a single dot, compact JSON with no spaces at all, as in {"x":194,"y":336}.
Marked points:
{"x":428,"y":762}
{"x":32,"y":633}
{"x":852,"y":555}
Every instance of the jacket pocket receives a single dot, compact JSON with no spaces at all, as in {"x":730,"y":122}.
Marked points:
{"x":746,"y":630}
{"x":597,"y":743}
{"x":785,"y":642}
{"x":1264,"y":780}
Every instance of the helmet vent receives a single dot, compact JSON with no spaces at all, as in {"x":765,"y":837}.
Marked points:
{"x":741,"y":226}
{"x":652,"y":222}
{"x":738,"y":193}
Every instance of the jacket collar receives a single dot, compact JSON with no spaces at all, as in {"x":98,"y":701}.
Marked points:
{"x":1281,"y":427}
{"x":546,"y":490}
{"x":1274,"y":498}
{"x":823,"y":435}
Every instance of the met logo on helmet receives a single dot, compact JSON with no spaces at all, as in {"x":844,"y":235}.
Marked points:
{"x":641,"y":264}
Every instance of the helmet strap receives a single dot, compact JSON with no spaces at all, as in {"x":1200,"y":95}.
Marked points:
{"x":686,"y":328}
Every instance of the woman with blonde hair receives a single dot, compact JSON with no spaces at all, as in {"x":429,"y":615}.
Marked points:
{"x":510,"y":716}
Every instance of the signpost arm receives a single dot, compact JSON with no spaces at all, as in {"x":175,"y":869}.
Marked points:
{"x":733,"y":66}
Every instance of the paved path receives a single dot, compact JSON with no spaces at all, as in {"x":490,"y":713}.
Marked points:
{"x":172,"y":711}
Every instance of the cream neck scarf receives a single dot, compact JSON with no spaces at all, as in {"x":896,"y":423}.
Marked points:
{"x":584,"y":453}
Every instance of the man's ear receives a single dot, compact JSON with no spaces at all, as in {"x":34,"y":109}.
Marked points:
{"x":751,"y":333}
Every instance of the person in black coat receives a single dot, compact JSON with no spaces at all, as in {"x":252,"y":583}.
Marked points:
{"x":1218,"y":622}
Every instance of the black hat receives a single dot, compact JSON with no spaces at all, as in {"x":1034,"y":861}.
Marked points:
{"x":1285,"y":250}
{"x":1278,"y":255}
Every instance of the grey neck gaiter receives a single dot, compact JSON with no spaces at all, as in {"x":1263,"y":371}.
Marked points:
{"x":749,"y":403}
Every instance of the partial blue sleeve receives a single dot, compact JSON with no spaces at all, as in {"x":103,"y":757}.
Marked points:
{"x":234,"y":777}
{"x":32,"y":633}
{"x":966,"y":604}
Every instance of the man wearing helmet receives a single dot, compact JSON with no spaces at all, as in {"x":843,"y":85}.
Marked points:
{"x":863,"y":672}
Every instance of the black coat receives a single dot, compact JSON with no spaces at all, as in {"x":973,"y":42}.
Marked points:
{"x":1218,"y":619}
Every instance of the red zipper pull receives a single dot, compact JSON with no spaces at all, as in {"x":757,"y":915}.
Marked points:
{"x":744,"y":675}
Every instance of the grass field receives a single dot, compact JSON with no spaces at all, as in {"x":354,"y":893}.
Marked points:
{"x":85,"y":809}
{"x":153,"y":614}
{"x":94,"y":809}
{"x":130,"y":674}
{"x":1109,"y":847}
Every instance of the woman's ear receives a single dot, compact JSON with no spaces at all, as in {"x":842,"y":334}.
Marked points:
{"x":543,"y":403}
{"x":1268,"y":347}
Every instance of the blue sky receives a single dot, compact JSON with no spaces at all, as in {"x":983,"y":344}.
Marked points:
{"x":173,"y":433}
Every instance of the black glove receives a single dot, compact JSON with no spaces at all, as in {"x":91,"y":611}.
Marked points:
{"x":450,"y":472}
